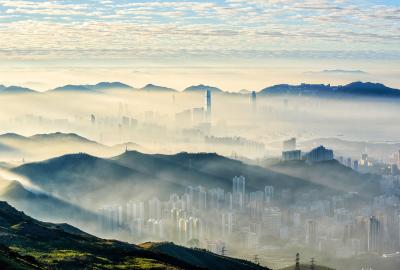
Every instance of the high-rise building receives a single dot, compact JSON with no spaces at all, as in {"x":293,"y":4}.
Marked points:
{"x":272,"y":220}
{"x":397,"y":158}
{"x":256,"y":204}
{"x":197,"y":115}
{"x":291,"y":155}
{"x":355,"y":165}
{"x":253,"y":100}
{"x":319,"y":154}
{"x":289,"y":145}
{"x":227,"y":223}
{"x":208,"y":105}
{"x":348,"y":162}
{"x":269,"y":194}
{"x":374,"y":235}
{"x":154,"y":208}
{"x":238,"y":191}
{"x":311,"y":233}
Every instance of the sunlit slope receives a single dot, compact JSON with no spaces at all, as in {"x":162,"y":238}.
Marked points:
{"x":11,"y":260}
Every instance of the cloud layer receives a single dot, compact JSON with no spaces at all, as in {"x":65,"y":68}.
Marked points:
{"x":212,"y":29}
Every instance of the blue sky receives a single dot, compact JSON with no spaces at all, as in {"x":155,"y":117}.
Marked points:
{"x":197,"y":33}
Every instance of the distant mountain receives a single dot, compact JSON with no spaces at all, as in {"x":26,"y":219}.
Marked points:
{"x":354,"y":149}
{"x":82,"y":179}
{"x":244,"y":92}
{"x":15,"y":90}
{"x":200,"y":257}
{"x":202,"y":88}
{"x":110,"y":86}
{"x":331,"y":174}
{"x":368,"y":89}
{"x":59,"y":136}
{"x":355,"y":89}
{"x":102,"y":86}
{"x":61,"y":246}
{"x":15,"y":145}
{"x":156,"y":88}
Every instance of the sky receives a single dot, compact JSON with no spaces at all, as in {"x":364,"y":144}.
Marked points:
{"x":233,"y":44}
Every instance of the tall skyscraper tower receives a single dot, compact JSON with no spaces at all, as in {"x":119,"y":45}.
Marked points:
{"x":239,"y":183}
{"x":374,"y":235}
{"x":311,"y":233}
{"x":253,"y":101}
{"x":208,"y":105}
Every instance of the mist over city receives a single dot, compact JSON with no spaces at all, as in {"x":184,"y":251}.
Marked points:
{"x":200,"y":135}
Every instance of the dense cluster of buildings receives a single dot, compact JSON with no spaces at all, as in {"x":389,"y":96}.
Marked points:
{"x":216,"y":219}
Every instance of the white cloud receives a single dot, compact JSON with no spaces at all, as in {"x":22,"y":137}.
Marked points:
{"x":58,"y":28}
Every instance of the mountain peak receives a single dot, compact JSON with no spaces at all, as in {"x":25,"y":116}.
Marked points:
{"x":110,"y":85}
{"x":203,"y":88}
{"x":157,"y":88}
{"x":101,"y":86}
{"x":15,"y":90}
{"x":359,"y":89}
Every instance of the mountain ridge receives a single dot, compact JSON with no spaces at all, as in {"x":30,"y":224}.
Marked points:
{"x":361,"y":89}
{"x":353,"y":89}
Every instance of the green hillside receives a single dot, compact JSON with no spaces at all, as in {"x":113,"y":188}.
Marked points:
{"x":33,"y":244}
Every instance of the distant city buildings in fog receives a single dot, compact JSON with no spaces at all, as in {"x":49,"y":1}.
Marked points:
{"x":208,"y":104}
{"x":217,"y":219}
{"x":291,"y":155}
{"x":290,"y":145}
{"x":253,"y":101}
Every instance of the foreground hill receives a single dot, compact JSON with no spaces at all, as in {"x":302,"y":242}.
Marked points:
{"x":199,"y":257}
{"x":83,"y":178}
{"x":307,"y":267}
{"x":61,"y":246}
{"x":11,"y":260}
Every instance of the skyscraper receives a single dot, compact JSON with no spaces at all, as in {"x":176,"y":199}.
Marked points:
{"x":311,"y":232}
{"x":289,"y":145}
{"x":208,"y":105}
{"x":239,"y":183}
{"x":269,"y":194}
{"x":253,"y":101}
{"x":319,"y":154}
{"x":374,"y":235}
